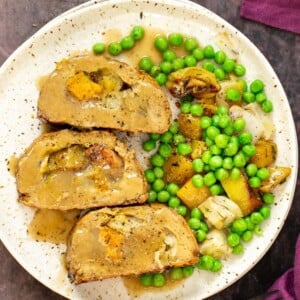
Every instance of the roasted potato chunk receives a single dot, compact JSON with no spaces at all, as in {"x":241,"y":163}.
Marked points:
{"x":277,"y":176}
{"x":192,"y":196}
{"x":239,"y":191}
{"x":189,"y":126}
{"x":198,"y":147}
{"x":178,"y":168}
{"x":266,"y":151}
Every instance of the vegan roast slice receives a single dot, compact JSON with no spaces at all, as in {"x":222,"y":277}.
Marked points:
{"x":68,"y":169}
{"x":122,"y":241}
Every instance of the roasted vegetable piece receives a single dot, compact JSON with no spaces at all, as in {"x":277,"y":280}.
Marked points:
{"x":198,"y":147}
{"x":192,"y":196}
{"x":266,"y":151}
{"x":220,"y":211}
{"x":239,"y":191}
{"x":216,"y":245}
{"x":89,"y":91}
{"x":277,"y":176}
{"x":195,"y":81}
{"x":189,"y":126}
{"x":113,"y":242}
{"x":70,"y":169}
{"x":178,"y":169}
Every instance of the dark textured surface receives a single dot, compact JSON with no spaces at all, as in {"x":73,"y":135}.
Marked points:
{"x":19,"y":19}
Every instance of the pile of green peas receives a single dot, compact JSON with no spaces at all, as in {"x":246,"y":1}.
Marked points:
{"x":243,"y":229}
{"x":207,"y":262}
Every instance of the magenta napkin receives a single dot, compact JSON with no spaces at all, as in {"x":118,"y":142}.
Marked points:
{"x":288,"y":284}
{"x":284,"y":14}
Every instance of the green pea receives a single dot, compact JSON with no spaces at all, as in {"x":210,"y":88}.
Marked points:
{"x":150,"y":176}
{"x":137,"y":32}
{"x":185,"y":107}
{"x":158,"y":172}
{"x":175,"y":39}
{"x":233,"y":95}
{"x":215,"y":120}
{"x":127,"y":42}
{"x":161,"y":43}
{"x":231,"y":149}
{"x":203,"y":226}
{"x":215,"y":150}
{"x":257,"y":230}
{"x":209,"y":142}
{"x":209,"y":51}
{"x":222,"y":110}
{"x":247,"y":236}
{"x":114,"y":48}
{"x":197,"y":180}
{"x":176,"y":273}
{"x":228,"y":129}
{"x":267,"y":106}
{"x":268,"y":198}
{"x":209,"y":66}
{"x":217,"y":266}
{"x":205,"y":122}
{"x":263,"y":173}
{"x":196,"y":109}
{"x":178,"y":63}
{"x":212,"y":132}
{"x":157,"y":160}
{"x":206,"y":262}
{"x":190,"y":61}
{"x":172,"y":188}
{"x":245,"y":138}
{"x":260,"y":97}
{"x":174,"y":127}
{"x":265,"y":211}
{"x":146,"y":279}
{"x":215,"y":162}
{"x":248,"y":97}
{"x":198,"y":54}
{"x":182,"y":210}
{"x":166,"y":137}
{"x":228,"y":65}
{"x":209,"y":179}
{"x":254,"y":182}
{"x":159,"y":280}
{"x":239,"y":249}
{"x":184,"y":149}
{"x":188,"y":271}
{"x":256,"y":86}
{"x":161,"y":78}
{"x":224,"y":121}
{"x":166,"y":67}
{"x":219,"y":73}
{"x":169,"y":55}
{"x":200,"y":235}
{"x":250,"y":225}
{"x":196,"y":213}
{"x":165,"y":150}
{"x":249,"y":150}
{"x":216,"y":189}
{"x":163,"y":196}
{"x":221,"y":140}
{"x":174,"y":202}
{"x":178,"y":139}
{"x":99,"y":48}
{"x":251,"y":170}
{"x":155,"y":136}
{"x":158,"y":185}
{"x":206,"y":156}
{"x":227,"y":163}
{"x":146,"y":64}
{"x":222,"y":173}
{"x":190,"y":44}
{"x":155,"y":70}
{"x":239,"y":226}
{"x":239,"y":70}
{"x":198,"y":165}
{"x":239,"y":124}
{"x":152,"y":196}
{"x":194,"y":223}
{"x":220,"y":57}
{"x":149,"y":145}
{"x":233,"y":239}
{"x":256,"y":218}
{"x":235,"y":173}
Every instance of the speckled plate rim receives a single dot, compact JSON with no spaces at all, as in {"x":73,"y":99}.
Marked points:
{"x":256,"y":52}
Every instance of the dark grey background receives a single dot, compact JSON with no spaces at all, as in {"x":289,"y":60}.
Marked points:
{"x":19,"y":19}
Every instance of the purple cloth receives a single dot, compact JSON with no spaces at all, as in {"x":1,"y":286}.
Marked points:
{"x":289,"y":283}
{"x":284,"y":14}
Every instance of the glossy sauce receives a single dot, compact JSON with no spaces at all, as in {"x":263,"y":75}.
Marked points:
{"x":52,"y":226}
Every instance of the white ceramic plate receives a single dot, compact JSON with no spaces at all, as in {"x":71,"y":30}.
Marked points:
{"x":79,"y":29}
